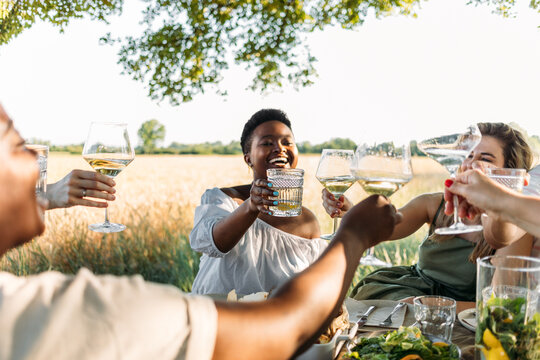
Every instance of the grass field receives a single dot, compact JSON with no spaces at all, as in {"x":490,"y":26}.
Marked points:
{"x":156,"y":198}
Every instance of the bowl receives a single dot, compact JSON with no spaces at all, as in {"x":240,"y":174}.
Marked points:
{"x":323,"y":351}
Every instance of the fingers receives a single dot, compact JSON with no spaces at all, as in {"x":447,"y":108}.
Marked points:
{"x":262,"y":195}
{"x":73,"y":200}
{"x":94,"y":176}
{"x":331,"y":205}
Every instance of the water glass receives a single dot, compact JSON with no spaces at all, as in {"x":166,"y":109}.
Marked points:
{"x":435,"y":315}
{"x":289,"y":184}
{"x":511,"y":178}
{"x":507,"y":307}
{"x":42,"y":152}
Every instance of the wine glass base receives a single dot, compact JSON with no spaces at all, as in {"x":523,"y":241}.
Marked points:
{"x":107,"y":227}
{"x":327,"y":236}
{"x":371,"y":260}
{"x":458,"y":229}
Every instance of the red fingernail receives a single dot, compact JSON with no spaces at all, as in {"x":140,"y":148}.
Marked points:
{"x":448,"y":182}
{"x":470,"y":216}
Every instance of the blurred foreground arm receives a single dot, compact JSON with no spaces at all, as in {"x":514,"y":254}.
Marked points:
{"x":480,"y":193}
{"x":77,"y":186}
{"x":302,"y":308}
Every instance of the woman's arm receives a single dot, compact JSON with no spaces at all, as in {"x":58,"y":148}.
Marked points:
{"x":228,"y":231}
{"x":303,"y":307}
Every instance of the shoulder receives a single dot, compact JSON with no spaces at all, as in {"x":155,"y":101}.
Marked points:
{"x":429,"y":202}
{"x":311,"y":222}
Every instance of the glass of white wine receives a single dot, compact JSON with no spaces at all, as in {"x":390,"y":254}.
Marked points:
{"x":382,"y":168}
{"x":450,"y":151}
{"x":108,"y":150}
{"x":334,"y":173}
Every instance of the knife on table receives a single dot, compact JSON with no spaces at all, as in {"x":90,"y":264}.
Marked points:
{"x":363,"y":319}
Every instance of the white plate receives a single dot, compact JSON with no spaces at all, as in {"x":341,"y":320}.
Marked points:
{"x":467,"y":318}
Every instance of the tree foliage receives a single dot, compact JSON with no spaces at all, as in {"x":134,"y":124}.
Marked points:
{"x":151,"y":133}
{"x":186,"y":45}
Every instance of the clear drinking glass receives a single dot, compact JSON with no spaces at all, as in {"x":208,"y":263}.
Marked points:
{"x":435,"y":315}
{"x":450,"y":151}
{"x":42,"y":152}
{"x":108,"y":150}
{"x":507,"y":307}
{"x":289,"y":183}
{"x":334,"y":173}
{"x":382,"y":168}
{"x":511,"y":178}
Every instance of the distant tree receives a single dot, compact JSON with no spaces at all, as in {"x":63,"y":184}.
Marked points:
{"x":150,"y":133}
{"x":186,"y":45}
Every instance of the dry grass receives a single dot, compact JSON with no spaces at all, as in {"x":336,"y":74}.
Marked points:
{"x":156,"y":198}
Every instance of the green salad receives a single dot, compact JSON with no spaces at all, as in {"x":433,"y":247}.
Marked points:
{"x":502,"y":323}
{"x":406,"y":343}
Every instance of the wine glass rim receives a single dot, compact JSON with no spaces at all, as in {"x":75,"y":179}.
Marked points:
{"x":109,"y":123}
{"x":485,"y":262}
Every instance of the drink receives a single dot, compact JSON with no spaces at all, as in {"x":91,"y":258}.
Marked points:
{"x":435,"y":315}
{"x":375,"y":182}
{"x":289,"y":184}
{"x":289,"y":202}
{"x":109,"y":167}
{"x":337,"y":185}
{"x":42,"y":152}
{"x":451,"y":159}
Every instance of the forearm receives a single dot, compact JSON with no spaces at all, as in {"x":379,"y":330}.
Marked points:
{"x":228,"y":231}
{"x":522,"y":211}
{"x":499,"y":233}
{"x":303,"y":307}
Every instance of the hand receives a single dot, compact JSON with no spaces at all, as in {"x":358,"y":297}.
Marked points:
{"x":76,"y":186}
{"x":335,"y":208}
{"x":373,"y":220}
{"x":258,"y":196}
{"x":476,"y":193}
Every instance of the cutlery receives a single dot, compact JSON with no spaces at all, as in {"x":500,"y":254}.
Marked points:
{"x":363,"y":319}
{"x":388,"y":320}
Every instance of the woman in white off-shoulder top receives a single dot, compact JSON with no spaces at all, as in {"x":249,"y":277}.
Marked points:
{"x":244,"y":247}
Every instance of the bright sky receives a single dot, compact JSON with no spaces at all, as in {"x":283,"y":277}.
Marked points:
{"x":394,"y":77}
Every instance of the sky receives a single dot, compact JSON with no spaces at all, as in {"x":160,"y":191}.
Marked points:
{"x":394,"y":78}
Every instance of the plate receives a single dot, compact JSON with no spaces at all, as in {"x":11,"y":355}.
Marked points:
{"x":467,"y":318}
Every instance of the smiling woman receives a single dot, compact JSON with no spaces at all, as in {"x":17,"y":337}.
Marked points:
{"x":244,"y":247}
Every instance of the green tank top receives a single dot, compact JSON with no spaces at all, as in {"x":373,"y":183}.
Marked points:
{"x":446,"y":264}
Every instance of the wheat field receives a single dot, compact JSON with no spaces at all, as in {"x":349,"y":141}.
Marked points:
{"x":156,"y":199}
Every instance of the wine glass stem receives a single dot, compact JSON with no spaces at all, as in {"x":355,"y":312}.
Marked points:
{"x":336,"y":225}
{"x":106,"y":216}
{"x":457,"y":219}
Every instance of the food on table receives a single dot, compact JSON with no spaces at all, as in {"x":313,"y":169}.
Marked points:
{"x":259,"y":296}
{"x":406,"y":343}
{"x":504,"y":332}
{"x":341,"y":321}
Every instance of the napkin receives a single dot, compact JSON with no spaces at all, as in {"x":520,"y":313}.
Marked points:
{"x":384,"y":307}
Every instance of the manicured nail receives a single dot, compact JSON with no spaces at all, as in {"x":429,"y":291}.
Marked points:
{"x":276,"y":193}
{"x":113,"y":183}
{"x":275,"y":203}
{"x":269,"y":213}
{"x":270,"y":184}
{"x":470,"y":216}
{"x":338,"y":204}
{"x":448,"y":182}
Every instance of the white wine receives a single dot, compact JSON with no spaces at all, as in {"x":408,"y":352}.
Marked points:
{"x":337,"y":185}
{"x":109,"y":167}
{"x":382,"y":186}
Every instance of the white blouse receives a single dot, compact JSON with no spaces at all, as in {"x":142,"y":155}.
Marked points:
{"x":264,"y":258}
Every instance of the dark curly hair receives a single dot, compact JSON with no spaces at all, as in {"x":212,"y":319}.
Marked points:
{"x":257,"y":119}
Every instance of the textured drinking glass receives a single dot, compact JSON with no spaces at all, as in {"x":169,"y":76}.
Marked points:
{"x":42,"y":152}
{"x":289,"y":184}
{"x":507,"y":307}
{"x":435,"y":315}
{"x":511,"y":178}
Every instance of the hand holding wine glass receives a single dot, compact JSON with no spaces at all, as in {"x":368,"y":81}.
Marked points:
{"x":450,"y":151}
{"x":334,"y":173}
{"x":108,"y":150}
{"x":382,"y":169}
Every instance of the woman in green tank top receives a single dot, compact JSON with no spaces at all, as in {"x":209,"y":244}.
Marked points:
{"x":446,"y":264}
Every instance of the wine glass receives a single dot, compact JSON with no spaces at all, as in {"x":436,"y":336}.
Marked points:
{"x":108,"y":150}
{"x":450,"y":151}
{"x":382,"y":168}
{"x":334,"y":173}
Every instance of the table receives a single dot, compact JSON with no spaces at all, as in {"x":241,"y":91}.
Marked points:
{"x":461,"y":336}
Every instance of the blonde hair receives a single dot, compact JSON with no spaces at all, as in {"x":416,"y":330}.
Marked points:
{"x":517,"y":154}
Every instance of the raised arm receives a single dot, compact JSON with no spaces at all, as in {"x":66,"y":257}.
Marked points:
{"x":480,"y":194}
{"x":228,"y":231}
{"x":301,"y":309}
